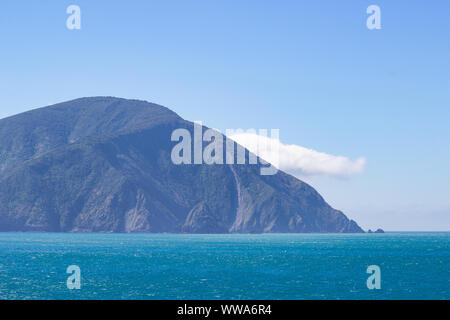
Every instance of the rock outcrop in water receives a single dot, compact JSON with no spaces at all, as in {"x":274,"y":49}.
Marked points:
{"x":103,"y":165}
{"x":376,"y":231}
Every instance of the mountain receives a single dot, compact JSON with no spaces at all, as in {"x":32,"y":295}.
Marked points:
{"x":103,"y":164}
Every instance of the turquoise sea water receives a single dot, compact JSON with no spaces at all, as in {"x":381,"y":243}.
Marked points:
{"x":271,"y":266}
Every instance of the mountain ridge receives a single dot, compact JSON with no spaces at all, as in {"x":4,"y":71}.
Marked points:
{"x":102,"y":164}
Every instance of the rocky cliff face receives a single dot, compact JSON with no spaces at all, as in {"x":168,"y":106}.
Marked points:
{"x":104,"y":165}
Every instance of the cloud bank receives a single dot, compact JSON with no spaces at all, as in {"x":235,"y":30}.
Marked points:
{"x":297,"y":160}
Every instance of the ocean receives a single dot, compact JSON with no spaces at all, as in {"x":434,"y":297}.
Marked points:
{"x":268,"y":266}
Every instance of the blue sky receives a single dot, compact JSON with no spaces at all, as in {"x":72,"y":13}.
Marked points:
{"x":310,"y":68}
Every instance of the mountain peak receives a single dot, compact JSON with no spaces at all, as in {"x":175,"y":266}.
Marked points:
{"x":103,"y":164}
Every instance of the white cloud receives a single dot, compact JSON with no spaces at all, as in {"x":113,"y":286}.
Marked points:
{"x":297,"y":160}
